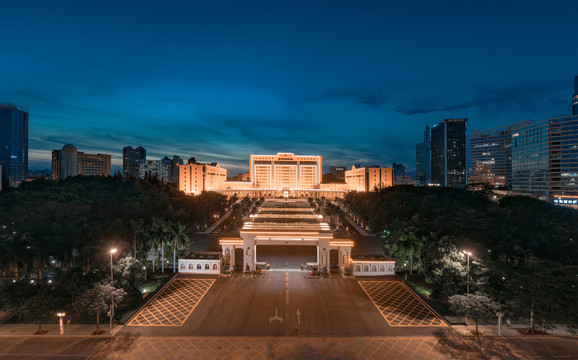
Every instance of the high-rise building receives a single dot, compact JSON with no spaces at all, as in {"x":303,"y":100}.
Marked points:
{"x":174,"y":168}
{"x":13,"y":144}
{"x":575,"y":97}
{"x":131,"y":159}
{"x":423,"y":160}
{"x":545,"y":160}
{"x":491,"y":155}
{"x":70,"y":162}
{"x":449,"y":153}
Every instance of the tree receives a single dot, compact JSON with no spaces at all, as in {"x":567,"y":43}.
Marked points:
{"x":475,"y":305}
{"x":40,"y":307}
{"x":137,"y":231}
{"x":129,"y":273}
{"x":97,"y":300}
{"x":159,"y":234}
{"x":446,"y":266}
{"x":178,"y":239}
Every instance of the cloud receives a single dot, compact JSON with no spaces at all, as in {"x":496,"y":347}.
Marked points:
{"x":487,"y":100}
{"x":373,"y":98}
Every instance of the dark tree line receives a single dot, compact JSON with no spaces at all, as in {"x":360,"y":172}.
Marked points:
{"x":524,"y":250}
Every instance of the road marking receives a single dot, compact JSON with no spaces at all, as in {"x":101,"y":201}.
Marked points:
{"x":286,"y":293}
{"x":275,"y":317}
{"x":298,"y":317}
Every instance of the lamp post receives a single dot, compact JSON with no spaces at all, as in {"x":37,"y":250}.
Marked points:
{"x":468,"y":277}
{"x":112,"y":251}
{"x":60,"y":316}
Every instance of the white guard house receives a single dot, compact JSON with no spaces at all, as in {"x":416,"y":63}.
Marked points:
{"x":201,"y":263}
{"x":281,"y":224}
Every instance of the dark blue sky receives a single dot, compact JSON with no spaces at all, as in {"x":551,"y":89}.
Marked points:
{"x":353,"y":81}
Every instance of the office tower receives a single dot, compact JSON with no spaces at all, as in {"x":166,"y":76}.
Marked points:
{"x":575,"y":97}
{"x":174,"y":168}
{"x":70,"y":162}
{"x":13,"y":144}
{"x":490,"y":157}
{"x":423,"y":160}
{"x":545,"y":160}
{"x":448,"y":153}
{"x":398,"y":173}
{"x":131,"y":159}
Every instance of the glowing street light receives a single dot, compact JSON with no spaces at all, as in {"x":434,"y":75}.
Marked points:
{"x":468,"y":277}
{"x":61,"y":315}
{"x":112,"y":251}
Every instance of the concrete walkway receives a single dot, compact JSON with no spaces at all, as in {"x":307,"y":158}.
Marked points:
{"x":54,"y":330}
{"x":217,"y":223}
{"x":356,"y":227}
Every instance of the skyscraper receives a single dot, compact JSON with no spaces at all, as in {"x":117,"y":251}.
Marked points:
{"x":449,"y":153}
{"x":423,"y":160}
{"x":131,"y":160}
{"x":545,"y":159}
{"x":13,"y":144}
{"x":575,"y":97}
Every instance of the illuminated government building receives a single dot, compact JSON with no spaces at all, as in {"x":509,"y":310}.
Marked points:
{"x":281,"y":175}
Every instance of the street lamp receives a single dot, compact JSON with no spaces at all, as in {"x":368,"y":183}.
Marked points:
{"x":112,"y":251}
{"x":60,"y":316}
{"x":468,"y":278}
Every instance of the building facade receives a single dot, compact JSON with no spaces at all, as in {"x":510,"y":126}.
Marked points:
{"x":545,"y":159}
{"x":13,"y":144}
{"x":194,"y":178}
{"x":490,"y":157}
{"x":155,"y":169}
{"x":368,"y":178}
{"x":70,"y":162}
{"x":285,"y":171}
{"x":575,"y":97}
{"x":131,"y":159}
{"x":449,"y":153}
{"x":423,"y":160}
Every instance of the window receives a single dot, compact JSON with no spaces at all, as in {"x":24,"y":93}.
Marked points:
{"x":207,"y":267}
{"x":199,"y":267}
{"x":365,"y":268}
{"x":182,"y":266}
{"x":358,"y":268}
{"x":374,"y":268}
{"x":215,"y":267}
{"x":382,"y":268}
{"x":190,"y":266}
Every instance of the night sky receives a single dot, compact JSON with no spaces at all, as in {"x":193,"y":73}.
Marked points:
{"x":353,"y":81}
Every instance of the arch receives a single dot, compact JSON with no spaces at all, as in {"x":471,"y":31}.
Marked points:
{"x":207,"y":267}
{"x":191,"y":266}
{"x":374,"y":268}
{"x":183,"y":266}
{"x":366,"y":268}
{"x":382,"y":268}
{"x":357,"y":268}
{"x":215,"y":267}
{"x":199,"y":267}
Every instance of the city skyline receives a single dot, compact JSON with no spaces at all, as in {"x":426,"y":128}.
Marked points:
{"x":355,"y":83}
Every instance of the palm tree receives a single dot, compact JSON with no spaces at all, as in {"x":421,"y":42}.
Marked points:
{"x":160,"y":234}
{"x":179,"y":239}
